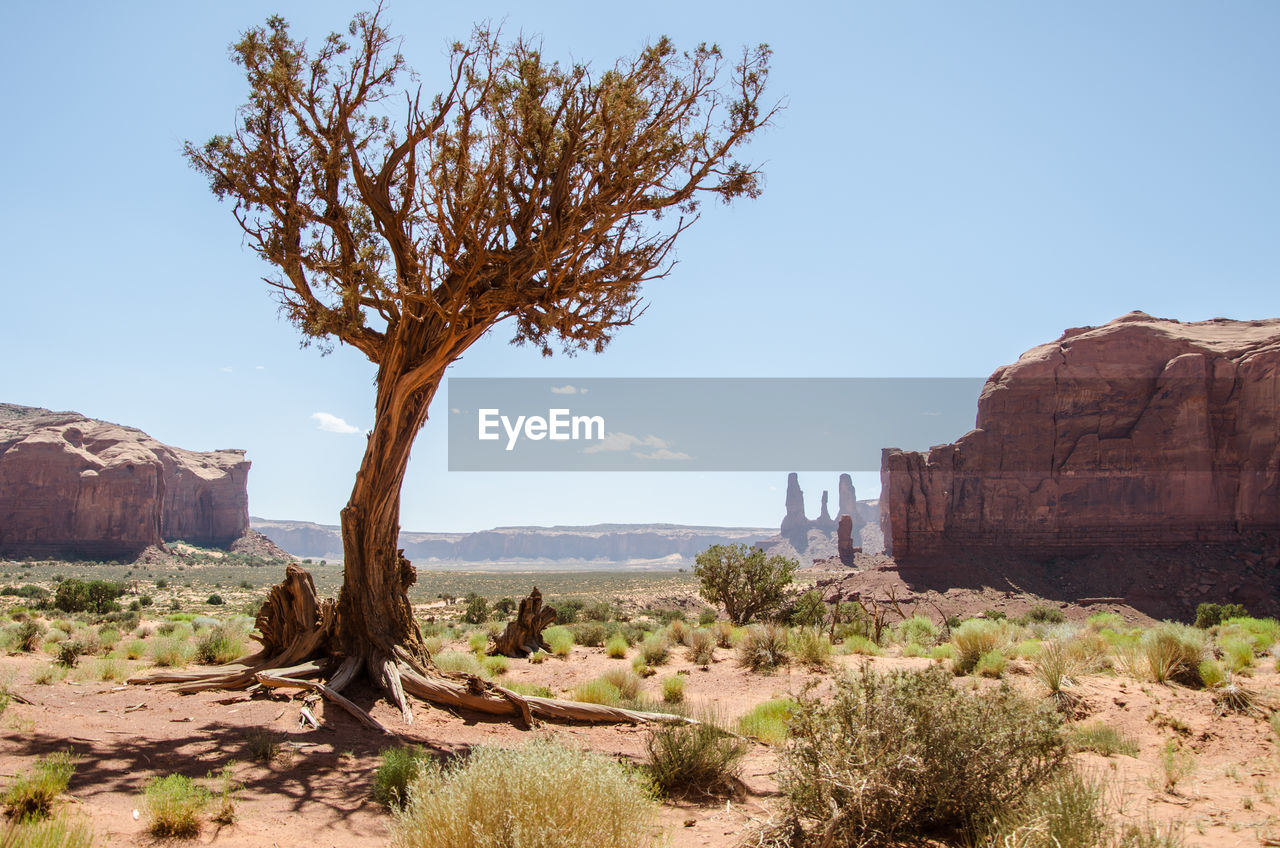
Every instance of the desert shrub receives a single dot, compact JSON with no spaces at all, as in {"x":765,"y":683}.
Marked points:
{"x":590,"y":633}
{"x":723,"y":631}
{"x":1262,"y":633}
{"x":170,"y":651}
{"x":706,"y":618}
{"x":640,"y":667}
{"x":28,"y":635}
{"x":175,"y":805}
{"x":433,"y":644}
{"x":29,"y":590}
{"x":203,"y":622}
{"x":540,"y":796}
{"x":110,"y":668}
{"x":678,"y":631}
{"x":702,"y":647}
{"x":768,"y":721}
{"x":626,"y":681}
{"x":990,"y":664}
{"x":1029,"y":649}
{"x":60,"y":831}
{"x":69,"y":652}
{"x":598,"y":611}
{"x":745,"y":581}
{"x":477,"y":610}
{"x":96,"y":596}
{"x":655,"y":649}
{"x":399,"y":766}
{"x":1068,"y":812}
{"x":462,"y":661}
{"x":857,"y":644}
{"x":1209,"y":615}
{"x":568,"y":609}
{"x":598,"y":691}
{"x":916,"y":630}
{"x":763,"y":647}
{"x":902,"y":755}
{"x":496,"y":665}
{"x":673,"y":689}
{"x":262,"y":745}
{"x":227,"y":789}
{"x":478,"y":641}
{"x":1238,"y":654}
{"x":559,"y":639}
{"x":215,"y":600}
{"x":974,"y":639}
{"x":534,"y":690}
{"x":220,"y":644}
{"x":1101,"y":738}
{"x":1055,"y":666}
{"x":31,"y":795}
{"x":1105,"y":621}
{"x":616,"y":647}
{"x":1045,"y":615}
{"x":694,"y":759}
{"x":810,"y":609}
{"x":51,"y":673}
{"x":1212,"y":674}
{"x":538,"y":657}
{"x":1176,"y":763}
{"x":108,"y":636}
{"x":810,"y":647}
{"x":1172,"y":652}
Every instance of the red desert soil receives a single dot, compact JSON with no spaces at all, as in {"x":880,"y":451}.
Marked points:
{"x":317,"y":793}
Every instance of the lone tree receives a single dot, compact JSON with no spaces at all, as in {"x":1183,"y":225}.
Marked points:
{"x":527,"y":190}
{"x":743,"y":580}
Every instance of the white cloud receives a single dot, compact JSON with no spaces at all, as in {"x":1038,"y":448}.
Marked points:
{"x":649,"y":447}
{"x":226,"y":369}
{"x":259,"y":368}
{"x":663,"y":453}
{"x":455,"y":410}
{"x":613,"y":442}
{"x":332,"y":423}
{"x":566,"y":390}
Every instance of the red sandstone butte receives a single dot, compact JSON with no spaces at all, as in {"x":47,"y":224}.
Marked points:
{"x":75,"y":486}
{"x":1141,"y":432}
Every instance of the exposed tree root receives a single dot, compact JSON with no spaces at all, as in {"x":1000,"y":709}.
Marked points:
{"x":523,"y":635}
{"x":297,"y":630}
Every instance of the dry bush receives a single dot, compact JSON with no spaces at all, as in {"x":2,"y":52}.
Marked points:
{"x":906,"y":755}
{"x":694,"y":759}
{"x":31,"y":796}
{"x":541,"y":796}
{"x":763,"y":647}
{"x":974,"y":639}
{"x":175,"y":806}
{"x":702,"y":647}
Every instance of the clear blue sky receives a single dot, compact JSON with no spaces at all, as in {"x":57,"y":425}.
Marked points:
{"x":951,"y":184}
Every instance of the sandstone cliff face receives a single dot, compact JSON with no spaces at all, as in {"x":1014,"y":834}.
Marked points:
{"x":1141,"y":432}
{"x":74,"y":486}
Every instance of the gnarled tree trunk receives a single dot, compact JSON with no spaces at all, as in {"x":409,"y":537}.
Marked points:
{"x":523,"y":635}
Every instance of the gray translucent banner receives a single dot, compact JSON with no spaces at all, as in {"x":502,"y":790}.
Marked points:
{"x":696,"y":424}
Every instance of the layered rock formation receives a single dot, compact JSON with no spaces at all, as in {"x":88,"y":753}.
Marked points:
{"x":818,"y":538}
{"x":1142,"y":432}
{"x":75,"y":486}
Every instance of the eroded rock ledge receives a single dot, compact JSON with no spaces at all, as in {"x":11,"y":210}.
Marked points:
{"x":78,"y":487}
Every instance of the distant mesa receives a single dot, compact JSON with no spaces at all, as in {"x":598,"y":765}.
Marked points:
{"x":1139,"y":435}
{"x":658,"y":545}
{"x":72,"y":486}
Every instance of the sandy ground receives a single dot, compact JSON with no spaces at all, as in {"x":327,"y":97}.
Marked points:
{"x":317,"y":792}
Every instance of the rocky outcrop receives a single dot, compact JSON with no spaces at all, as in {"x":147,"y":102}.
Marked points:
{"x":75,"y":486}
{"x":1142,"y":432}
{"x":824,"y":522}
{"x":845,"y":548}
{"x":795,"y":526}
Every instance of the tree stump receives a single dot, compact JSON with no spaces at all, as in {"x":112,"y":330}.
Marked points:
{"x":523,"y":635}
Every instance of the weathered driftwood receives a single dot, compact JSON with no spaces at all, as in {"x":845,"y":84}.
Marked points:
{"x":523,"y":635}
{"x":296,"y":627}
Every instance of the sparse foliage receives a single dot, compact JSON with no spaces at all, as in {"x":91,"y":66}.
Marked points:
{"x":526,"y":191}
{"x":745,"y":581}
